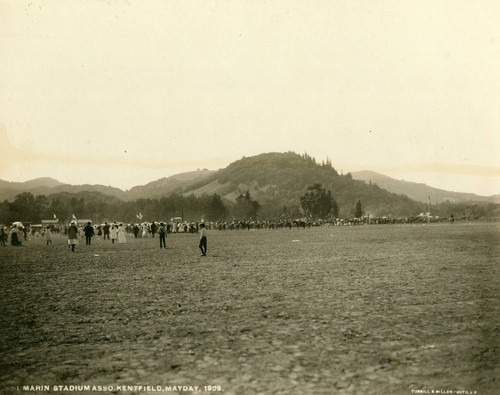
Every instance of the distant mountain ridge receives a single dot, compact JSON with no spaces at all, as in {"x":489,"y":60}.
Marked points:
{"x":49,"y":186}
{"x":168,"y":185}
{"x":47,"y":182}
{"x":418,"y":191}
{"x":155,"y":189}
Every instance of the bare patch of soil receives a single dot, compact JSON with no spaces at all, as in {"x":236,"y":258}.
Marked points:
{"x":359,"y":310}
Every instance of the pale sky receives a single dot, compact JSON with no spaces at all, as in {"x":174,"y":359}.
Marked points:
{"x":122,"y":92}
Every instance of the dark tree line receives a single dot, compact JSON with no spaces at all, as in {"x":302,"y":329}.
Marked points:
{"x":316,"y":201}
{"x":100,"y":208}
{"x":103,"y":208}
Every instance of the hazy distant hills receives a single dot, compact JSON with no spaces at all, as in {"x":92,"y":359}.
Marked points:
{"x":49,"y":186}
{"x":167,"y":185}
{"x":275,"y":180}
{"x":420,"y":192}
{"x":15,"y":187}
{"x":155,"y":189}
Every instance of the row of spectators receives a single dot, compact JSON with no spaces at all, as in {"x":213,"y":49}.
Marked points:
{"x":149,"y":229}
{"x":16,"y":233}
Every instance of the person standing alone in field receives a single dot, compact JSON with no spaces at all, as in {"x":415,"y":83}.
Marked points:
{"x":72,"y":236}
{"x":162,"y":232}
{"x":203,"y":240}
{"x":3,"y":236}
{"x":121,"y":234}
{"x":105,"y":230}
{"x":114,"y":233}
{"x":14,"y":236}
{"x":48,"y":235}
{"x":89,"y":232}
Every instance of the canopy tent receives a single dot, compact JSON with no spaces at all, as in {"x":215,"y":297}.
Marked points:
{"x":50,"y":222}
{"x":83,"y":221}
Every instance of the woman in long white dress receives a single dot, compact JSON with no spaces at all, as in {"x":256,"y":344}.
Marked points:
{"x":114,"y":233}
{"x":121,"y":234}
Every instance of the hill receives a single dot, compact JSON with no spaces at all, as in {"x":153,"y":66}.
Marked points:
{"x":8,"y":190}
{"x":162,"y":187}
{"x":48,"y":186}
{"x":276,"y":180}
{"x":167,"y":185}
{"x":420,"y":192}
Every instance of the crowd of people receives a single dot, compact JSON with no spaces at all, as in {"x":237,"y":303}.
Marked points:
{"x":117,"y":232}
{"x":17,"y":234}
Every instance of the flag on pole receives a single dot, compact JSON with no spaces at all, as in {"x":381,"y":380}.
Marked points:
{"x":139,"y":216}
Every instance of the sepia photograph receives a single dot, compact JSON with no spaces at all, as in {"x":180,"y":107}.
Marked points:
{"x":250,"y":197}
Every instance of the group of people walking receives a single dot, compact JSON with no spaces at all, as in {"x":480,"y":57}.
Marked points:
{"x":112,"y":232}
{"x":163,"y":231}
{"x":117,"y":232}
{"x":16,"y":232}
{"x":14,"y":236}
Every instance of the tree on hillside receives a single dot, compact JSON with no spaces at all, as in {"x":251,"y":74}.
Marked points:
{"x":41,"y":208}
{"x":358,"y":211}
{"x":334,"y":212}
{"x":58,"y":208}
{"x":317,"y":202}
{"x":6,"y":212}
{"x":290,"y":212}
{"x":23,"y":206}
{"x":245,"y":207}
{"x":76,"y":206}
{"x":216,"y":209}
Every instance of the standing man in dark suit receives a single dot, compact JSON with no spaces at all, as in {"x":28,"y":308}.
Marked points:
{"x":89,"y":232}
{"x":162,"y":232}
{"x":154,"y":228}
{"x":106,"y":230}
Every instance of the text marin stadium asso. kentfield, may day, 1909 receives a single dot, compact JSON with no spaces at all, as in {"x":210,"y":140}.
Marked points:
{"x":115,"y":388}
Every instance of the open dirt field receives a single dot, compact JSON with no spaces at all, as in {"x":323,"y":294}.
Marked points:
{"x":387,"y":309}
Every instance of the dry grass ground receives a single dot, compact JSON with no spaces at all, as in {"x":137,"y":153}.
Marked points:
{"x":381,"y":309}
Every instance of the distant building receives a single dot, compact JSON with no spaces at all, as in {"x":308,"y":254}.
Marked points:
{"x":46,"y":222}
{"x":83,"y":221}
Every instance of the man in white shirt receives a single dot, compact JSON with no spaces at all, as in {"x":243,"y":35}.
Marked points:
{"x":203,"y":240}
